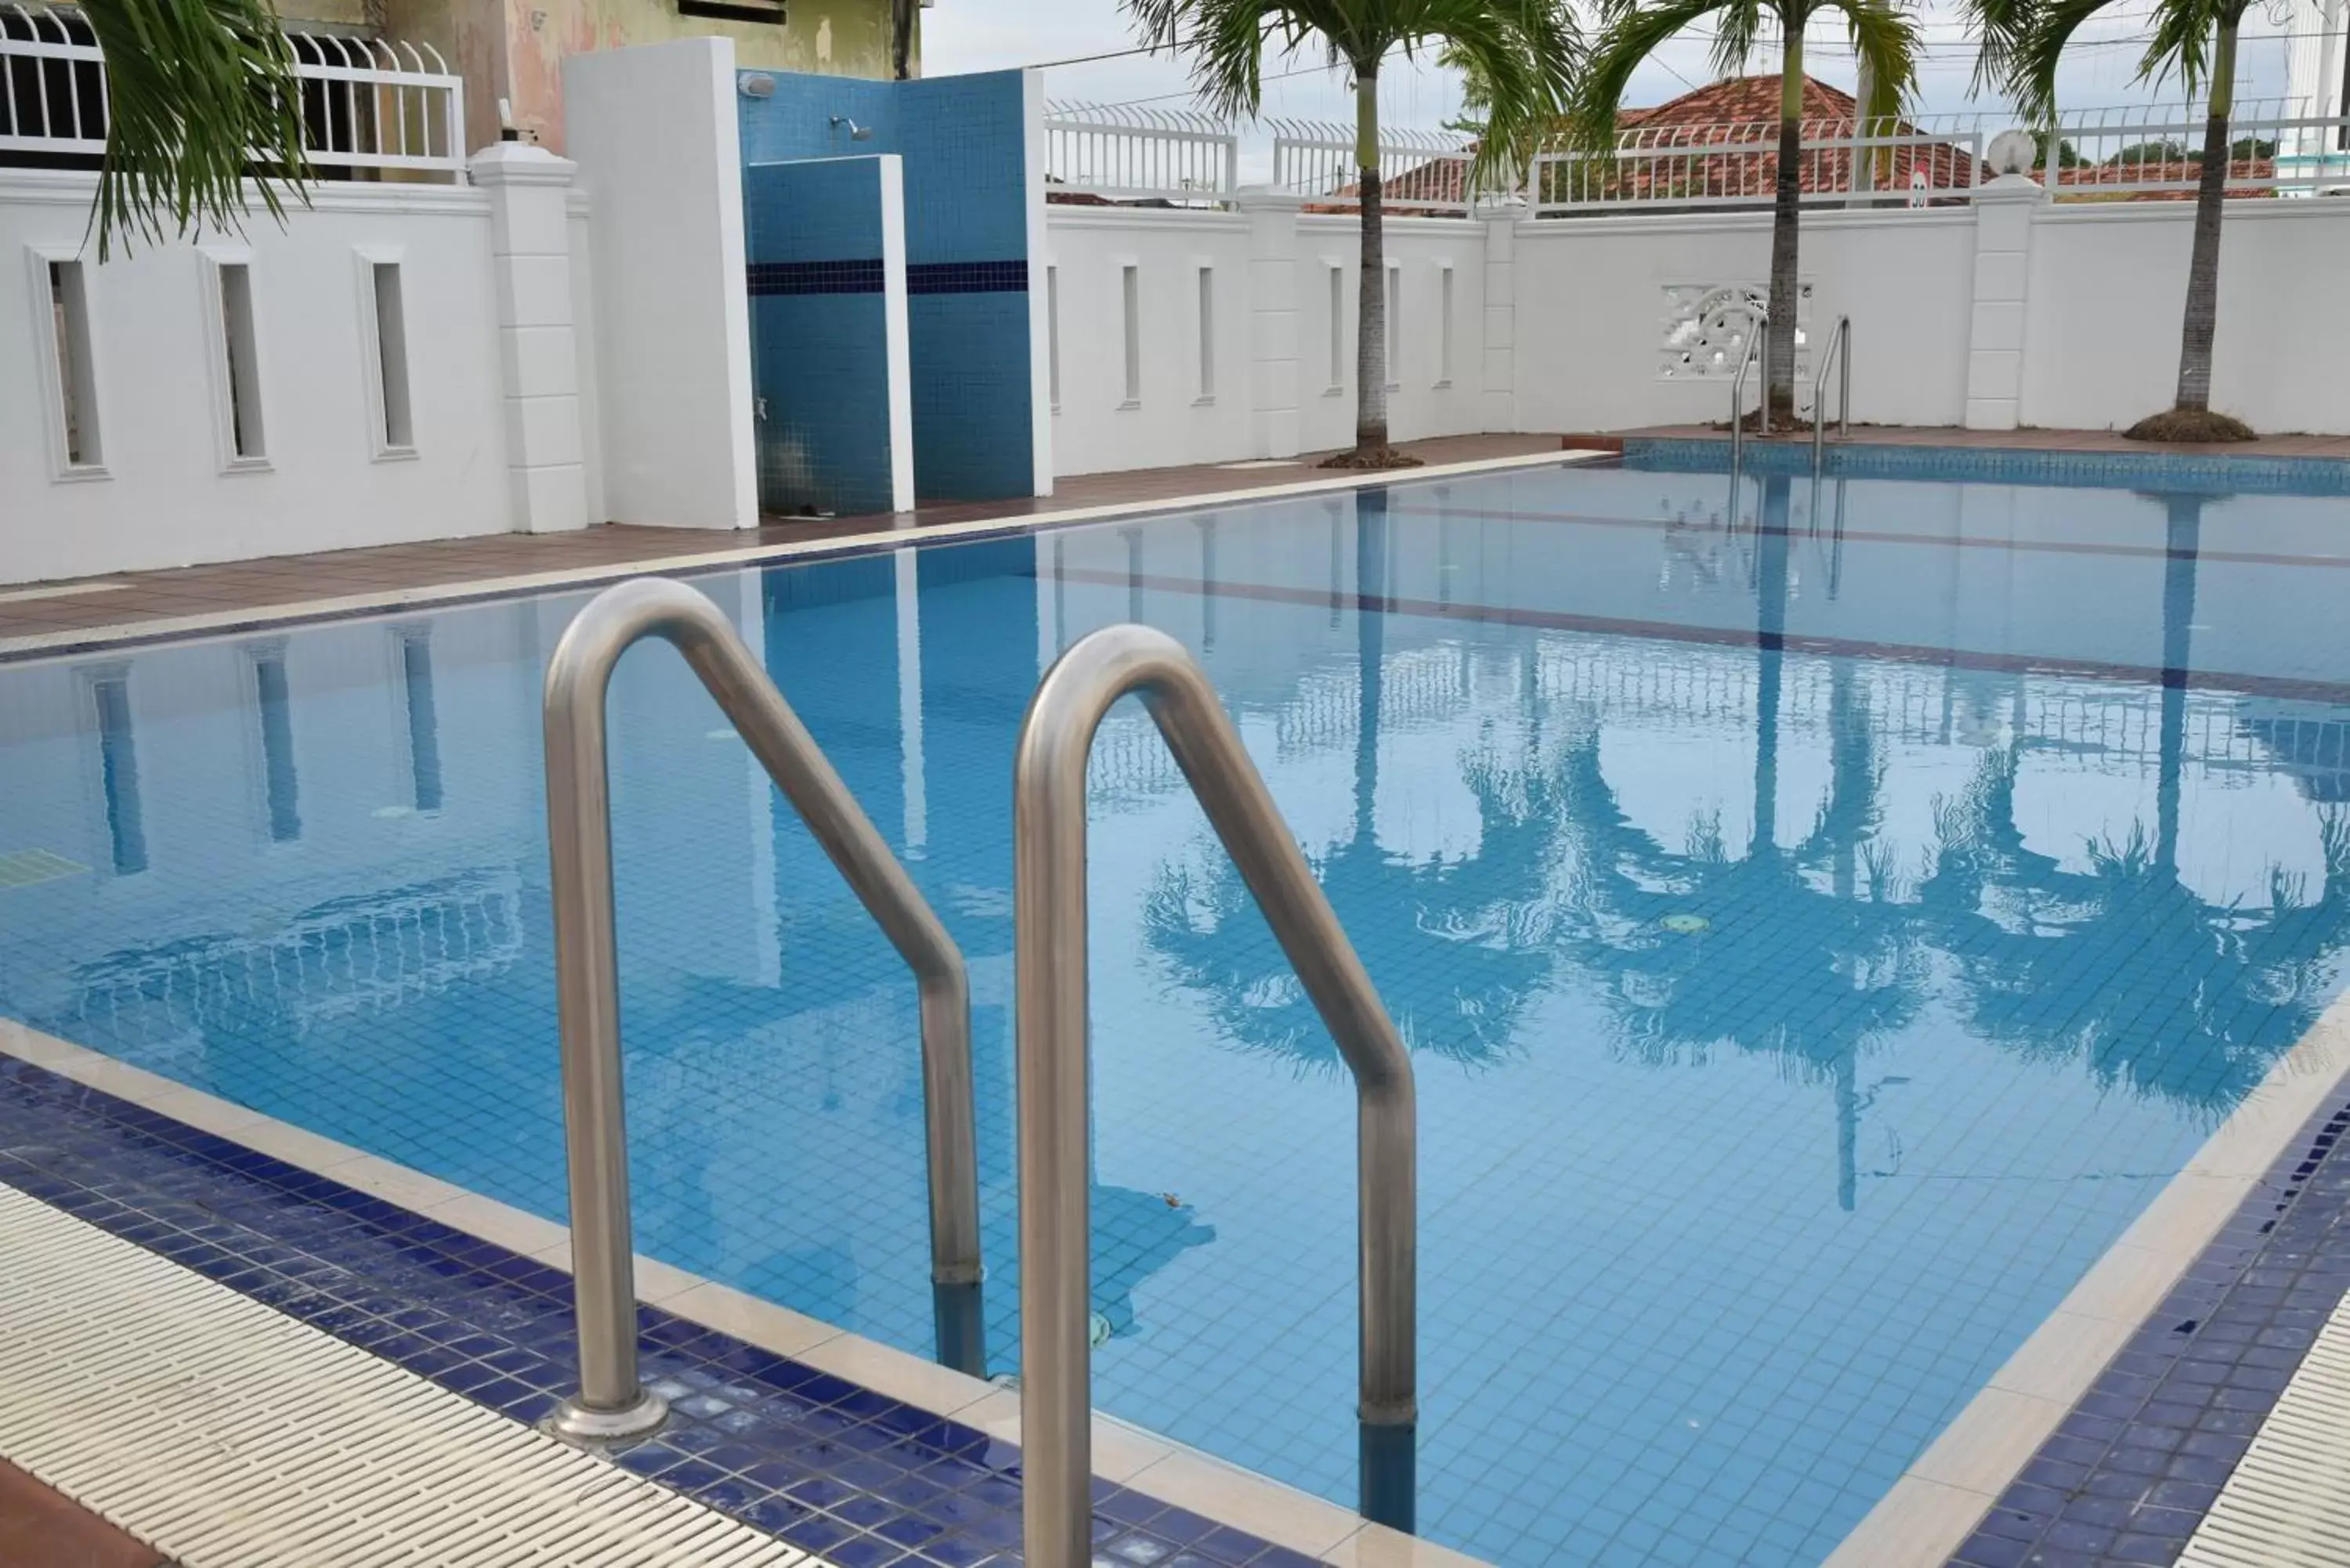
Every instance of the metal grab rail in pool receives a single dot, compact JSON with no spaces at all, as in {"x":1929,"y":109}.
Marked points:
{"x":1757,"y":347}
{"x":1050,"y":963}
{"x":611,"y":1402}
{"x":1839,"y":352}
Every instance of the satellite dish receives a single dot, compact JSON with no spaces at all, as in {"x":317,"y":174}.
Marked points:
{"x":2012,"y":152}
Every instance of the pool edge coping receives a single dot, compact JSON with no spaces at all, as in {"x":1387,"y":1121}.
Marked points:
{"x":1935,"y":1505}
{"x":440,"y":595}
{"x":1129,"y":1455}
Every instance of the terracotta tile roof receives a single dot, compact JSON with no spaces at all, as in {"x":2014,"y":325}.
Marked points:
{"x":1742,"y":100}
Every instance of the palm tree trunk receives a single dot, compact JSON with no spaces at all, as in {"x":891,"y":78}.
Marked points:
{"x":2203,"y":267}
{"x":1371,"y":329}
{"x":1781,"y":338}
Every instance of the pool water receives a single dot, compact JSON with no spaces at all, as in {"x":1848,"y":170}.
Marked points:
{"x":1822,"y":922}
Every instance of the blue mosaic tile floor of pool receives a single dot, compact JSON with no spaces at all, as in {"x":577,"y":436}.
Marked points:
{"x":829,"y":1466}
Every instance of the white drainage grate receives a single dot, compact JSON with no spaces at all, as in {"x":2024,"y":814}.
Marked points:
{"x":226,"y":1435}
{"x":2288,"y":1504}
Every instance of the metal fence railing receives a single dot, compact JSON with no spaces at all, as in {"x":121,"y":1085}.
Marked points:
{"x":2276,"y":148}
{"x":1127,"y":152}
{"x":1737,"y":165}
{"x":1421,"y":171}
{"x":368,"y":105}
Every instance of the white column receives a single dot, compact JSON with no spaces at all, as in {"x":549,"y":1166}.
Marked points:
{"x":530,"y":250}
{"x":1500,"y":398}
{"x":2004,"y":210}
{"x":1273,"y":372}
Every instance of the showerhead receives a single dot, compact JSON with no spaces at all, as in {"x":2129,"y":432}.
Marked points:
{"x":856,"y":132}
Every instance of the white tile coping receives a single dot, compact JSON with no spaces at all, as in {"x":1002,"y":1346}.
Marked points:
{"x":1925,"y":1518}
{"x":1942,"y":1497}
{"x":223,"y":1434}
{"x":80,"y":639}
{"x":1157,"y":1466}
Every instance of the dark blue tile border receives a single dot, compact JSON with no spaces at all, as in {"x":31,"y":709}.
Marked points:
{"x":860,"y":277}
{"x":2132,"y":1471}
{"x":827,"y":1465}
{"x":2170,"y":472}
{"x":967,"y":277}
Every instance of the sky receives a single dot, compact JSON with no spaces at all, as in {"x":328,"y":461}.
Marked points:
{"x":960,"y":35}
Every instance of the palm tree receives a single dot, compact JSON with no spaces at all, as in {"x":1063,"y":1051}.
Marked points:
{"x":1520,"y":53}
{"x":1883,"y":37}
{"x":200,"y":96}
{"x":2196,"y":40}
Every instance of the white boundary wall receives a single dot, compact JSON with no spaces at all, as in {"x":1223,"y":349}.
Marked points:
{"x":577,"y":348}
{"x":2009,"y":311}
{"x":1279,"y":381}
{"x":169,"y":489}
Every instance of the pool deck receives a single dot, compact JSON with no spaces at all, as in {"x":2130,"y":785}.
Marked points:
{"x":46,"y":616}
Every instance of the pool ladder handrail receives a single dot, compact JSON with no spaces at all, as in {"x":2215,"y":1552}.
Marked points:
{"x":1839,"y":352}
{"x":1050,"y":960}
{"x":612,"y":1402}
{"x":1757,"y":349}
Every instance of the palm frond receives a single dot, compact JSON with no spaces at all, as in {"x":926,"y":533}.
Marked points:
{"x":200,"y":95}
{"x":1884,"y":39}
{"x":1621,"y":49}
{"x":1738,"y":27}
{"x":2181,"y":41}
{"x":1521,"y":58}
{"x":2035,"y":53}
{"x":1999,"y":27}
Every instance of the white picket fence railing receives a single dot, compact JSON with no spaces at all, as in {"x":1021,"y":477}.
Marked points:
{"x":1126,"y":153}
{"x":1132,"y":153}
{"x":1421,"y":172}
{"x":1935,"y":160}
{"x":367,"y":104}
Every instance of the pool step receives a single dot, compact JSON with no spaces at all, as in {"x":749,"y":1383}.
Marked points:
{"x":228,"y":1436}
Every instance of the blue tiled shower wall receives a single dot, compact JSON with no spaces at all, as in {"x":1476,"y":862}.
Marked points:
{"x":963,"y":142}
{"x":819,"y":333}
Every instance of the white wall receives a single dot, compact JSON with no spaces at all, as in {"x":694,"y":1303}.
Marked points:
{"x":2108,"y":284}
{"x":653,"y":131}
{"x":1417,"y":406}
{"x":1097,"y":429}
{"x":1094,"y":428}
{"x":164,"y":497}
{"x":1592,"y":311}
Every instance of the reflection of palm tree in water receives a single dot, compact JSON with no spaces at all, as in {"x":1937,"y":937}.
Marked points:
{"x":1449,"y":943}
{"x":1782,"y":965}
{"x":2005,"y":912}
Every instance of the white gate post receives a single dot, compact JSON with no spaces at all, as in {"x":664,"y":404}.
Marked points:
{"x":2004,"y":213}
{"x":530,"y":251}
{"x":1501,"y":216}
{"x":1273,"y":371}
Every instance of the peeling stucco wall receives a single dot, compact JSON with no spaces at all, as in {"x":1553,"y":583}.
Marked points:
{"x":515,"y":49}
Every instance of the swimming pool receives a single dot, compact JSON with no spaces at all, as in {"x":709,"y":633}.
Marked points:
{"x":1822,"y":923}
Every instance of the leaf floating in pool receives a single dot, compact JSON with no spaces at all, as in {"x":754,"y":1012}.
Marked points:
{"x":721,"y":735}
{"x":389,"y":812}
{"x":1170,"y":1199}
{"x":1685,"y":925}
{"x":1101,"y":1330}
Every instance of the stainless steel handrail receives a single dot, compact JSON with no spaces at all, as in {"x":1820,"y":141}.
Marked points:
{"x":611,"y":1402}
{"x":1840,"y":352}
{"x":1758,"y":348}
{"x":1049,"y":911}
